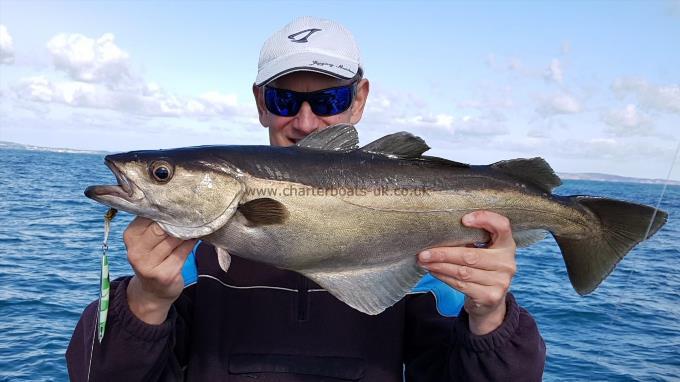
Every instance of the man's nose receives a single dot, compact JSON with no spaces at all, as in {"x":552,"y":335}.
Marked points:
{"x":306,"y":121}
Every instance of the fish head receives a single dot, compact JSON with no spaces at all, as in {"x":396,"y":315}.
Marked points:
{"x":188,"y":194}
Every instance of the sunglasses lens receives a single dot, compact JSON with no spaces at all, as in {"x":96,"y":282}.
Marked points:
{"x":287,"y":103}
{"x":331,"y":101}
{"x":281,"y":102}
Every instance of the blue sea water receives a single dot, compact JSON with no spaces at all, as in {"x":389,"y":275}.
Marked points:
{"x":50,"y":243}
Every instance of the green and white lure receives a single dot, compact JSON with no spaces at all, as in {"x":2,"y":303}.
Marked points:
{"x":105,"y":282}
{"x":104,"y":286}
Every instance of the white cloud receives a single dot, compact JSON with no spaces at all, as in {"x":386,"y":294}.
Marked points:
{"x":538,"y":133}
{"x":527,"y":146}
{"x":378,"y":103}
{"x":100,"y":78}
{"x":663,"y":98}
{"x":389,"y":112}
{"x":493,"y":101}
{"x":449,"y":126}
{"x":515,"y":64}
{"x":562,"y":103}
{"x":617,"y":149}
{"x":392,"y":103}
{"x":673,"y":7}
{"x":554,"y":71}
{"x":439,"y":120}
{"x":491,"y":96}
{"x":629,"y":121}
{"x":150,"y":101}
{"x":90,"y":60}
{"x":490,"y":60}
{"x":216,"y":98}
{"x":6,"y":46}
{"x":490,"y":124}
{"x":606,"y":148}
{"x":566,"y":47}
{"x":612,"y":149}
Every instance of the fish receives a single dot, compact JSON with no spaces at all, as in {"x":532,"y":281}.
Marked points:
{"x":352,"y":219}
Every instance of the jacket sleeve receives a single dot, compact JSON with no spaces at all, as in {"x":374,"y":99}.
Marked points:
{"x":443,"y":349}
{"x":131,"y":350}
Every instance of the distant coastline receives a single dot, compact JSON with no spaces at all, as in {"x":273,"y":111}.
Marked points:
{"x":21,"y":146}
{"x":593,"y":176}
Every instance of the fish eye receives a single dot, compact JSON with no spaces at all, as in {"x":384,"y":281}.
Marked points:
{"x":161,"y":171}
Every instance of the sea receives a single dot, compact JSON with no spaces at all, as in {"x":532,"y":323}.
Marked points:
{"x":51,"y":241}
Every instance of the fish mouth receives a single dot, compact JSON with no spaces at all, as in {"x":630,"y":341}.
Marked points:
{"x":123,"y":181}
{"x":123,"y":189}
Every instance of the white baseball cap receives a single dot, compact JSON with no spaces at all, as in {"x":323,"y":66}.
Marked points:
{"x":309,"y":44}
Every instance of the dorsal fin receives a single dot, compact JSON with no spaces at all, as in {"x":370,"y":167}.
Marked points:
{"x":444,"y":161}
{"x":341,"y":137}
{"x":535,"y":171}
{"x":398,"y":145}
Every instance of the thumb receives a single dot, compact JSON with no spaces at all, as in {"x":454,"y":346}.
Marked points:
{"x":498,"y":227}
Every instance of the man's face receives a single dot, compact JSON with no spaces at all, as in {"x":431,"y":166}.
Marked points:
{"x":286,"y":131}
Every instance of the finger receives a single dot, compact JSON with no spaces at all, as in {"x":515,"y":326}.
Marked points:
{"x":497,"y":225}
{"x":479,"y":258}
{"x":151,"y":258}
{"x":154,"y":235}
{"x":166,"y":246}
{"x":137,"y":226}
{"x":480,"y":294}
{"x":465,"y":273}
{"x":470,"y":289}
{"x":174,"y":262}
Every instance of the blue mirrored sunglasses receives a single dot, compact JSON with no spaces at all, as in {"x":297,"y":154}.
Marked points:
{"x":324,"y":102}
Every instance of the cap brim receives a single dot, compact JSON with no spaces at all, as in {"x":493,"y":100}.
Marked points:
{"x":307,"y":61}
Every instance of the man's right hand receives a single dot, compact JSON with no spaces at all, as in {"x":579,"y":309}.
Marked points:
{"x":157,"y":260}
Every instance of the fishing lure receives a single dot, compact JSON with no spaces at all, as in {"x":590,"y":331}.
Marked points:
{"x":104,"y":284}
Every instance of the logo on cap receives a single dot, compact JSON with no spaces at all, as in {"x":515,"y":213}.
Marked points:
{"x":305,"y":37}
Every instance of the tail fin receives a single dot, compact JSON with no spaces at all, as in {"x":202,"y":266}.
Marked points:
{"x":591,"y":259}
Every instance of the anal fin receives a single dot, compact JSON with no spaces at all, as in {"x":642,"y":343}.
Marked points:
{"x":370,"y":289}
{"x":527,"y":237}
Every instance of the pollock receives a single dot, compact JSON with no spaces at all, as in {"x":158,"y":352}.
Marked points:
{"x":353,"y":219}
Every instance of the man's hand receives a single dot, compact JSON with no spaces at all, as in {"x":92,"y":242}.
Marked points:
{"x":157,"y":260}
{"x":482,"y":274}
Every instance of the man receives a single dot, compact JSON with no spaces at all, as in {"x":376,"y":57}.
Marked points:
{"x":178,"y":318}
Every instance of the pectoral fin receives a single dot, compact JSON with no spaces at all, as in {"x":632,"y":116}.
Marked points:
{"x":264,"y":211}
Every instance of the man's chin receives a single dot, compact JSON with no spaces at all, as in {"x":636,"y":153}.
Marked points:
{"x":282,"y":142}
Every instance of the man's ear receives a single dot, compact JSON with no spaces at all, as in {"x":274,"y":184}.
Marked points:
{"x":359,"y":101}
{"x":259,"y":101}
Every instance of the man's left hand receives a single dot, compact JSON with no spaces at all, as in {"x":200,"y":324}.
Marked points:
{"x":482,"y":274}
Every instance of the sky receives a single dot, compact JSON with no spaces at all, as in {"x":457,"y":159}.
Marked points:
{"x":589,"y":86}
